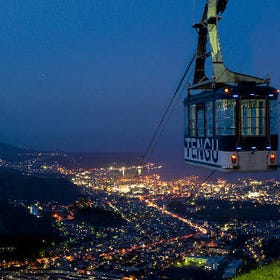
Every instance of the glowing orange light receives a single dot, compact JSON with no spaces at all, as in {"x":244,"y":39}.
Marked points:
{"x":272,"y":158}
{"x":234,"y":158}
{"x":57,"y":217}
{"x":69,"y":258}
{"x":226,"y":90}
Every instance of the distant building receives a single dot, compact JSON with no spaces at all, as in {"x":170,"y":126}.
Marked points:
{"x":34,"y":210}
{"x":222,"y":251}
{"x":122,"y":188}
{"x":214,"y":263}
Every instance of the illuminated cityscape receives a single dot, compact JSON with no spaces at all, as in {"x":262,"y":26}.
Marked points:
{"x":118,"y":119}
{"x":157,"y":227}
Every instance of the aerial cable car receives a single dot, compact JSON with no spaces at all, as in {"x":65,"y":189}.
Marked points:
{"x":232,"y":123}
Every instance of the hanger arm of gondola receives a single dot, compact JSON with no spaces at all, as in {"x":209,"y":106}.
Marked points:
{"x":208,"y":27}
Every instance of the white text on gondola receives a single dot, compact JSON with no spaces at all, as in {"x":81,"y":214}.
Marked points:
{"x":202,"y":149}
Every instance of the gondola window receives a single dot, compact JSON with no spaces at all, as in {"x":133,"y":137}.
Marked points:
{"x":209,"y":118}
{"x":193,"y":120}
{"x":200,"y":120}
{"x":253,"y":117}
{"x":186,"y":119}
{"x":273,"y":116}
{"x":225,"y":117}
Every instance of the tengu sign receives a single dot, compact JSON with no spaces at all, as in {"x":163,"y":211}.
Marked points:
{"x":202,"y":149}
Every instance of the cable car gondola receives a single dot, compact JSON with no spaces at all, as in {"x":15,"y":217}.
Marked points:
{"x":232,"y":123}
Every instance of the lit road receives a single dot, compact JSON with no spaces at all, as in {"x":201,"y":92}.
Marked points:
{"x":184,"y":220}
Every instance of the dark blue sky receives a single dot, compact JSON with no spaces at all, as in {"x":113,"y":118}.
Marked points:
{"x":95,"y":75}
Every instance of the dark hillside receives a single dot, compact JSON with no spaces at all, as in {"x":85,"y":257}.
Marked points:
{"x":10,"y":153}
{"x":23,"y":235}
{"x":16,"y":186}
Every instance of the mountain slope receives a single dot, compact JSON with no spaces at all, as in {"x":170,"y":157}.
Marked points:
{"x":267,"y":272}
{"x":13,"y":186}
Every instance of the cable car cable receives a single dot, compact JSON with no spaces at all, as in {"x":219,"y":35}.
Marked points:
{"x":208,"y":177}
{"x":167,"y":119}
{"x":171,"y":113}
{"x":168,"y":107}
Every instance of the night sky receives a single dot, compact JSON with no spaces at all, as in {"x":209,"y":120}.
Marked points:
{"x":95,"y":75}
